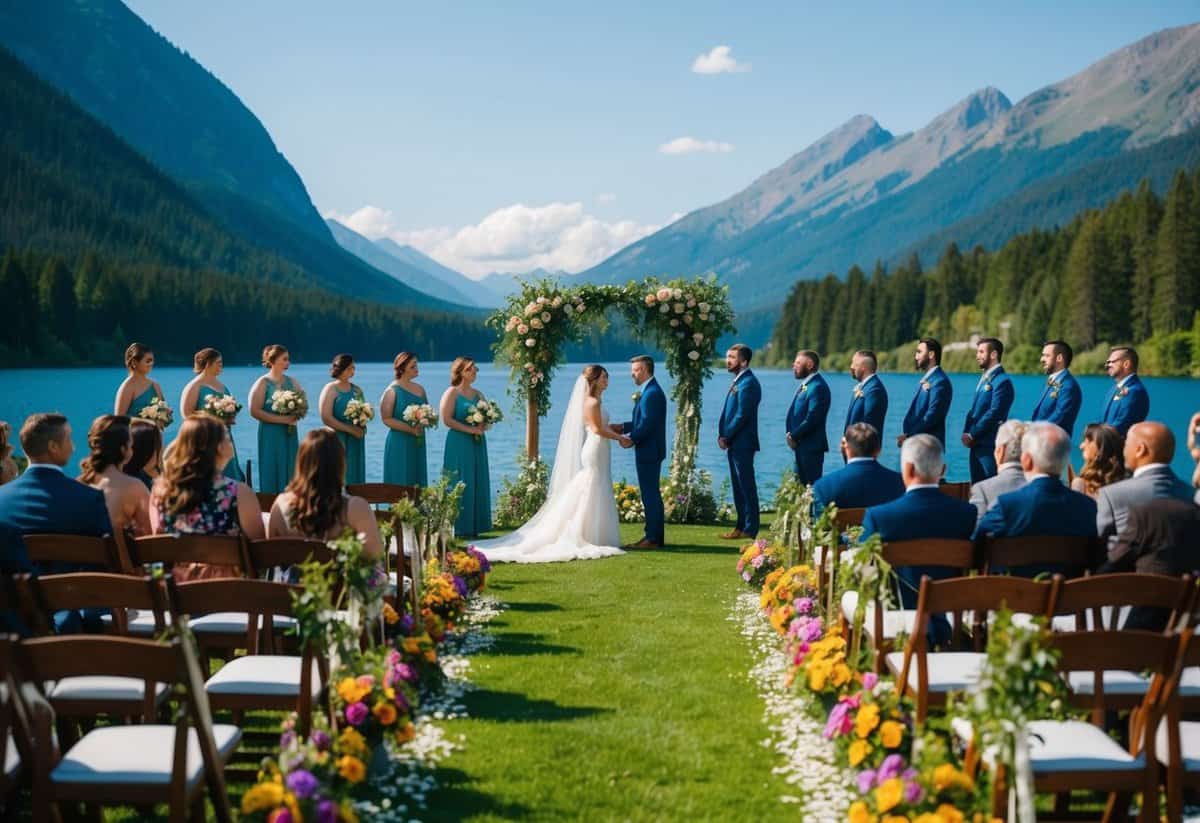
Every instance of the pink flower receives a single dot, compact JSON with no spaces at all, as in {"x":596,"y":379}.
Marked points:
{"x":866,"y":781}
{"x":356,"y":713}
{"x":869,"y":680}
{"x":912,"y":792}
{"x":367,"y":680}
{"x":840,"y":722}
{"x":804,"y":605}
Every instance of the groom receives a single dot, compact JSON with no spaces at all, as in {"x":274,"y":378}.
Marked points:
{"x":647,"y":434}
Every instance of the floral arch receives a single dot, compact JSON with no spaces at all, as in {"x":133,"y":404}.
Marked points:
{"x":683,"y":317}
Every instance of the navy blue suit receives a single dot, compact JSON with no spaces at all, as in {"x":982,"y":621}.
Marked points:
{"x":927,"y":412}
{"x":1043,"y":507}
{"x":806,"y":425}
{"x":1127,"y":405}
{"x":739,"y":427}
{"x":1060,"y":402}
{"x":859,"y":485}
{"x":648,"y":431}
{"x":868,"y":405}
{"x":993,"y":399}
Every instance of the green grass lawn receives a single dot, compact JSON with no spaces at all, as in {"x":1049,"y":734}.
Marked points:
{"x":616,"y":690}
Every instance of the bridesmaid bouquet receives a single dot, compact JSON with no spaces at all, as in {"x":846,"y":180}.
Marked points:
{"x":158,"y":413}
{"x":421,"y":416}
{"x":359,"y":413}
{"x":223,"y":407}
{"x":484,"y":412}
{"x":290,"y":403}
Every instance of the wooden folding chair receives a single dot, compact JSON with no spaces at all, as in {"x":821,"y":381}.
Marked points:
{"x":830,"y":558}
{"x":284,"y":552}
{"x":127,"y":765}
{"x":265,"y":501}
{"x":931,"y":676}
{"x":71,"y":552}
{"x":959,"y":491}
{"x":381,"y":496}
{"x":16,"y":741}
{"x":1102,"y":602}
{"x":1177,"y":741}
{"x":1022,"y":556}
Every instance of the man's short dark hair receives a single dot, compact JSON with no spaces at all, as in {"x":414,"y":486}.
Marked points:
{"x":993,"y":344}
{"x":39,"y":431}
{"x":933,"y":346}
{"x":811,"y":355}
{"x":743,"y":351}
{"x":1062,"y":347}
{"x":867,"y":354}
{"x":862,"y":440}
{"x":646,"y":360}
{"x":1128,"y":352}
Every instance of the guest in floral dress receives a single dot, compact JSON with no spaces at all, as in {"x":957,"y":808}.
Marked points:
{"x":194,"y":497}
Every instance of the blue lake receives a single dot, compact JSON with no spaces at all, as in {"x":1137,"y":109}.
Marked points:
{"x":83,"y":394}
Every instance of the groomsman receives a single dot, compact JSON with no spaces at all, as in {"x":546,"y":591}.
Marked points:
{"x":1127,"y":402}
{"x":869,"y":399}
{"x":927,"y":412}
{"x":738,"y":438}
{"x":806,"y":417}
{"x":993,"y":398}
{"x":1062,"y":397}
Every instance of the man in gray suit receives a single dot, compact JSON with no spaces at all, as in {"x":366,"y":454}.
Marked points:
{"x":1009,"y":475}
{"x":1149,"y":448}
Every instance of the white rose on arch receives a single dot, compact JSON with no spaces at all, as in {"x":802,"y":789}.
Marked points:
{"x":545,"y":317}
{"x":536,"y":323}
{"x":650,"y":300}
{"x":530,"y":342}
{"x":664,"y":294}
{"x":674,"y":323}
{"x":703,"y":317}
{"x":664,"y":308}
{"x":677,"y":293}
{"x":522,"y":329}
{"x":694,"y":355}
{"x":698,"y":338}
{"x":687,"y":318}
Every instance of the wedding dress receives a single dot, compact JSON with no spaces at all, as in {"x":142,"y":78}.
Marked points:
{"x":579,"y":518}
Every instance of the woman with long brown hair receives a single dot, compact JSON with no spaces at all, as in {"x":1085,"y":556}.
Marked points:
{"x":145,"y":463}
{"x":277,"y":436}
{"x":194,"y":497}
{"x":8,"y":467}
{"x":315,"y":503}
{"x":110,"y":447}
{"x":404,"y":450}
{"x":466,"y":457}
{"x":208,"y":364}
{"x":1103,"y":459}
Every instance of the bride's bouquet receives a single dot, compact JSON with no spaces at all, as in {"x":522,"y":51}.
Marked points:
{"x":359,"y":412}
{"x":420,"y":416}
{"x":158,"y":413}
{"x":224,"y":407}
{"x":484,"y":412}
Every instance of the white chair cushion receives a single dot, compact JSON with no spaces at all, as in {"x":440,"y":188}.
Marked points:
{"x":266,"y":674}
{"x":1073,"y":745}
{"x":1115,"y":682}
{"x":234,"y":623}
{"x":12,"y":758}
{"x":137,"y":754}
{"x":1189,"y":682}
{"x":948,"y":671}
{"x":1189,"y":745}
{"x":895,"y":621}
{"x":140,"y":622}
{"x":102,"y":687}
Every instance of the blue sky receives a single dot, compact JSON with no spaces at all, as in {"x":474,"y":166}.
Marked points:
{"x":504,"y":136}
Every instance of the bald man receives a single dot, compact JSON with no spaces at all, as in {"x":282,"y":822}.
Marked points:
{"x":1149,"y":449}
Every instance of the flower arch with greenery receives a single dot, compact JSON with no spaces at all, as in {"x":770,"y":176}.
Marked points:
{"x":682,"y":317}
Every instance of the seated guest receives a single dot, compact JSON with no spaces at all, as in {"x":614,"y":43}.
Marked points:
{"x":1009,"y":475}
{"x":315,"y":503}
{"x":194,"y":497}
{"x":128,"y":499}
{"x":1149,"y":449}
{"x":1044,"y":505}
{"x":863,"y":481}
{"x":1194,"y":448}
{"x":44,"y":500}
{"x":146,"y":461}
{"x":8,"y":466}
{"x":1103,"y":459}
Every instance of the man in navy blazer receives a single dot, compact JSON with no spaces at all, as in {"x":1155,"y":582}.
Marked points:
{"x":1062,"y":397}
{"x":863,"y":482}
{"x":738,"y":437}
{"x":806,"y":417}
{"x":993,"y":398}
{"x":930,"y":405}
{"x":647,"y":435}
{"x":1043,"y":506}
{"x":869,"y":397}
{"x":1127,"y":402}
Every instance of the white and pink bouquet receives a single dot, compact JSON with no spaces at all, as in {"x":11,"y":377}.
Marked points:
{"x":484,"y":413}
{"x":158,"y":413}
{"x":420,"y":416}
{"x":359,"y":412}
{"x":290,"y":403}
{"x":224,"y":407}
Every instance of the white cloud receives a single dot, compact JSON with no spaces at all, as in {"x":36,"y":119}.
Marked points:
{"x":604,"y":198}
{"x":516,"y":238}
{"x":718,"y":61}
{"x":690,"y":145}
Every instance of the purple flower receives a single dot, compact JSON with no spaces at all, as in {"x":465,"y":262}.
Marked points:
{"x":891,"y":767}
{"x":406,"y":624}
{"x":326,"y":812}
{"x":287,"y":739}
{"x":356,"y":713}
{"x":758,"y":560}
{"x":804,"y":605}
{"x":401,"y":702}
{"x":813,"y":630}
{"x":459,"y":584}
{"x":302,"y":784}
{"x":866,"y":781}
{"x":321,"y":740}
{"x":282,"y":815}
{"x":405,"y":672}
{"x":913,"y":792}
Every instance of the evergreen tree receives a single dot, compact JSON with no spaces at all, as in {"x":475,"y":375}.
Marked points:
{"x":56,"y":301}
{"x":1177,"y":259}
{"x":1147,"y":212}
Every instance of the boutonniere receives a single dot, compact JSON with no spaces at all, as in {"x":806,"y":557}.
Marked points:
{"x":1054,"y":392}
{"x":858,"y":393}
{"x":637,"y":395}
{"x":1122,"y":392}
{"x":924,"y":386}
{"x":803,"y":388}
{"x":987,"y":386}
{"x":733,"y":389}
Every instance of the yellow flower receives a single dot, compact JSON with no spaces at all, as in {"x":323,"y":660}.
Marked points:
{"x":352,"y":769}
{"x":346,"y":812}
{"x":389,"y":614}
{"x":385,"y":712}
{"x":818,"y":673}
{"x":351,"y":691}
{"x":891,"y":734}
{"x":858,"y":813}
{"x":946,"y":776}
{"x":950,"y":814}
{"x":351,"y":742}
{"x":411,"y":646}
{"x":841,"y":674}
{"x":858,"y":752}
{"x":889,"y":794}
{"x":895,"y":818}
{"x":866,"y":720}
{"x":262,"y":798}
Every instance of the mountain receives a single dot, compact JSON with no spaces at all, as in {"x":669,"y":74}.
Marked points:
{"x":455,"y":280}
{"x":860,"y":193}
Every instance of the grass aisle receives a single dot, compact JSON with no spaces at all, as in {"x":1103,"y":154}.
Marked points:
{"x":616,"y":690}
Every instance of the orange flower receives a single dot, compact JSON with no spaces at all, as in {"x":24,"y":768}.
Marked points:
{"x":352,"y":769}
{"x":889,"y":794}
{"x":866,"y":720}
{"x":891,"y":734}
{"x":406,"y":733}
{"x":858,"y":752}
{"x":858,"y":813}
{"x":389,"y":615}
{"x":385,"y":712}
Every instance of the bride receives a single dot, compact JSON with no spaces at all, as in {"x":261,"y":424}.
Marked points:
{"x":579,"y":518}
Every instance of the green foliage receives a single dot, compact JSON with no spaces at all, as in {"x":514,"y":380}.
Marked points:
{"x":520,"y":498}
{"x":690,"y":499}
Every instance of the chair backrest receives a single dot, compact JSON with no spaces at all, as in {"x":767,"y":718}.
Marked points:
{"x":1072,"y":555}
{"x":959,"y":491}
{"x":379,"y":494}
{"x":218,"y":549}
{"x":200,"y":597}
{"x":265,"y":501}
{"x":1157,"y":591}
{"x":43,"y":596}
{"x":953,"y":554}
{"x":286,"y":551}
{"x":849,"y":517}
{"x":984,"y":594}
{"x":1153,"y":653}
{"x":73,"y":549}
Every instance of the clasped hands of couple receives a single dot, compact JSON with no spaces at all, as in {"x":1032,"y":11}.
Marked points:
{"x":625,"y":440}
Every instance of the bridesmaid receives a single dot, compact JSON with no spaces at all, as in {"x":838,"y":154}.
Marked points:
{"x":404,"y":450}
{"x":137,"y":391}
{"x":466,"y":456}
{"x":334,"y":397}
{"x":277,"y":436}
{"x":207,"y":364}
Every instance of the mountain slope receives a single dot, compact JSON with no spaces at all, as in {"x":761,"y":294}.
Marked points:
{"x":455,"y":280}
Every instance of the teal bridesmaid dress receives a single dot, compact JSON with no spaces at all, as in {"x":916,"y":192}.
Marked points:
{"x":356,"y":447}
{"x":404,"y":454}
{"x":233,"y":469}
{"x":142,"y":401}
{"x":277,"y":444}
{"x":466,"y":459}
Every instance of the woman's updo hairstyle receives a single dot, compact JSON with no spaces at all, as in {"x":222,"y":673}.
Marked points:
{"x":400,"y":364}
{"x":205,"y":358}
{"x":271,"y":353}
{"x":340,"y":363}
{"x":458,"y":368}
{"x":108,"y":438}
{"x":592,"y":374}
{"x":135,"y":353}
